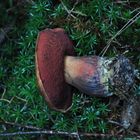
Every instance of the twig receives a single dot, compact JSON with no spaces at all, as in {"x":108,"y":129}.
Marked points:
{"x":78,"y":13}
{"x":14,"y":97}
{"x":74,"y":5}
{"x":62,"y":133}
{"x":4,"y":91}
{"x":67,"y":10}
{"x":72,"y":10}
{"x":121,"y":2}
{"x":116,"y":123}
{"x":20,"y":125}
{"x":135,"y":10}
{"x":129,"y":23}
{"x":78,"y":137}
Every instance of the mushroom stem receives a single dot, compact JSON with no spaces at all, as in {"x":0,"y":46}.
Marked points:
{"x":88,"y":74}
{"x":99,"y":76}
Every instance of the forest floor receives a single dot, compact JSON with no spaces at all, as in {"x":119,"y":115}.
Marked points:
{"x":93,"y":25}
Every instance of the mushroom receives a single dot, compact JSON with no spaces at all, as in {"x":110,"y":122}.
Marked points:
{"x":57,"y":68}
{"x":52,"y":46}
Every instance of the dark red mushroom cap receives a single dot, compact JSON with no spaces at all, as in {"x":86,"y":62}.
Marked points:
{"x":52,"y":46}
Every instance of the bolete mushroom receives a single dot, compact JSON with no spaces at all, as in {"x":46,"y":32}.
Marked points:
{"x":57,"y":68}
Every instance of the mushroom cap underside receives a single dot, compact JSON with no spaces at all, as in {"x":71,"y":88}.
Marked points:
{"x":51,"y":48}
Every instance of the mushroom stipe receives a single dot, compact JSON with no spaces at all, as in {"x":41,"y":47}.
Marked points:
{"x":57,"y":68}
